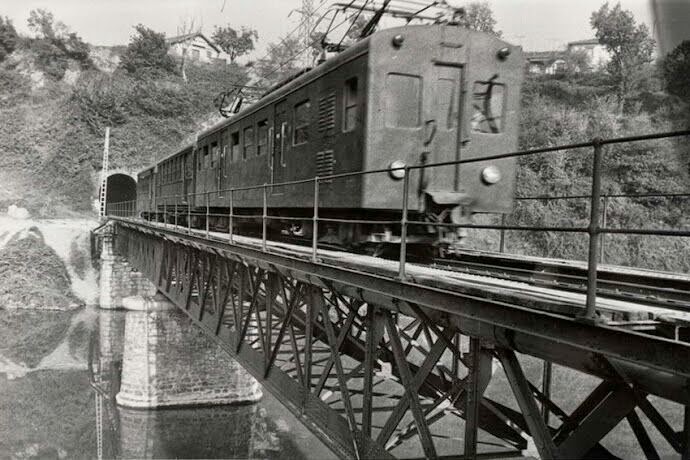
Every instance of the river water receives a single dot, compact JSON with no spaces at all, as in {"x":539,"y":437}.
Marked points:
{"x":60,"y":372}
{"x":57,"y":401}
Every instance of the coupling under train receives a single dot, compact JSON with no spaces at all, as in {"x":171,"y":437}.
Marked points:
{"x":408,"y":96}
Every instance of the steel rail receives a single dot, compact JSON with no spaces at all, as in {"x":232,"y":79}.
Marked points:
{"x":614,"y":285}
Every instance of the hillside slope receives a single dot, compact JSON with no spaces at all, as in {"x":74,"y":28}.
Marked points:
{"x":51,"y":131}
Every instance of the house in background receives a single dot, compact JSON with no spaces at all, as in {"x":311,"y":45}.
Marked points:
{"x":555,"y":62}
{"x":597,"y":53}
{"x":197,"y":48}
{"x":545,"y":62}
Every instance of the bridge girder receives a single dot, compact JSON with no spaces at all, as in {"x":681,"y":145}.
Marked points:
{"x":338,"y":346}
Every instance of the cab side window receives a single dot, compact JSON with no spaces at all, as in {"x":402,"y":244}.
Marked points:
{"x":248,"y":142}
{"x":235,"y":146}
{"x":487,"y":107}
{"x":403,"y":100}
{"x":350,"y":98}
{"x":301,"y":134}
{"x":262,"y":140}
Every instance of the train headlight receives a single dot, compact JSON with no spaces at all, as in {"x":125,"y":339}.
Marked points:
{"x":503,"y":53}
{"x":491,"y":175}
{"x":397,"y":170}
{"x":398,"y":41}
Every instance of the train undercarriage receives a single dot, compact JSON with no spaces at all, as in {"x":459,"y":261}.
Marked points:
{"x":371,"y":232}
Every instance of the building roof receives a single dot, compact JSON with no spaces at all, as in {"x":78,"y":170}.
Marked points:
{"x":589,"y":41}
{"x":185,"y":37}
{"x":543,"y":56}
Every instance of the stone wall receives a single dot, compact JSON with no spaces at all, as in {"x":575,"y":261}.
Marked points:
{"x":118,"y":278}
{"x":168,"y":361}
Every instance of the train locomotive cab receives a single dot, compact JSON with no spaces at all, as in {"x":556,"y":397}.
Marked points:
{"x":442,"y":94}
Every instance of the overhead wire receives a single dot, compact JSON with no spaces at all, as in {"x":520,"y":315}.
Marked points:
{"x":359,"y":12}
{"x":299,"y":52}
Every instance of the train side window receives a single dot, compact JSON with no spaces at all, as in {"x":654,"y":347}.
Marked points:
{"x":262,"y":140}
{"x":301,"y":134}
{"x":199,"y":160}
{"x":207,"y":161}
{"x":350,"y":98}
{"x":235,"y":146}
{"x":214,"y":154}
{"x":403,"y":100}
{"x":248,"y":142}
{"x":487,"y":107}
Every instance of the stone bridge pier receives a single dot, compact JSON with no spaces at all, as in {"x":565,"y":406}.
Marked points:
{"x":167,"y":361}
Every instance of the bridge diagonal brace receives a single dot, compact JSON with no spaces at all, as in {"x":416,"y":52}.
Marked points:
{"x":412,"y":397}
{"x":338,"y":345}
{"x":520,"y":386}
{"x":352,"y":423}
{"x":287,"y":322}
{"x":374,"y":325}
{"x":614,"y":408}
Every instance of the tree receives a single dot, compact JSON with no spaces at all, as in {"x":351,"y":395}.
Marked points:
{"x":54,"y":44}
{"x":186,"y":27}
{"x":629,"y":44}
{"x":42,"y":23}
{"x":147,"y":52}
{"x":8,"y":38}
{"x":235,"y":43}
{"x":478,"y":16}
{"x":280,"y":60}
{"x":676,"y":70}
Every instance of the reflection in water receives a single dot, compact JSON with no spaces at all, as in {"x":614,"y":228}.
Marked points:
{"x":245,"y":431}
{"x":56,"y":408}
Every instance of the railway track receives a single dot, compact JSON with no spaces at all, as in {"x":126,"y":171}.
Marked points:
{"x":667,"y":290}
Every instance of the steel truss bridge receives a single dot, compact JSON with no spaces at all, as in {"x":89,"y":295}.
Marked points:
{"x":385,"y":358}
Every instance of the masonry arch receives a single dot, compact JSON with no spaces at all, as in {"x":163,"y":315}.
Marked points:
{"x":120,"y":188}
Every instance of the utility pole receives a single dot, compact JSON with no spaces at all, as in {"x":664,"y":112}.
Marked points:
{"x":307,"y":13}
{"x":104,"y":175}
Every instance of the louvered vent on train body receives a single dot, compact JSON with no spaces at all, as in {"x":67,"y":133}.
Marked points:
{"x":327,"y":113}
{"x":325,"y":163}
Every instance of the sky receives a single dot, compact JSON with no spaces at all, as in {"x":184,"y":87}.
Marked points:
{"x":536,"y":25}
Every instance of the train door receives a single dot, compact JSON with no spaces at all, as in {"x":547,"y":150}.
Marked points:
{"x":189,"y":171}
{"x":281,"y":144}
{"x":223,"y":161}
{"x":443,"y":99}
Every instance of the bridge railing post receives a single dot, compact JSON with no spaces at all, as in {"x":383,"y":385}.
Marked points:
{"x":604,"y":222}
{"x":502,"y":239}
{"x":189,"y":214}
{"x":230,"y":215}
{"x":315,"y":222}
{"x":264,"y":217}
{"x":403,"y":223}
{"x":593,"y":232}
{"x":208,"y":213}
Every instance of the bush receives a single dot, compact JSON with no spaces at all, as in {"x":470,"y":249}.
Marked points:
{"x":147,"y":54}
